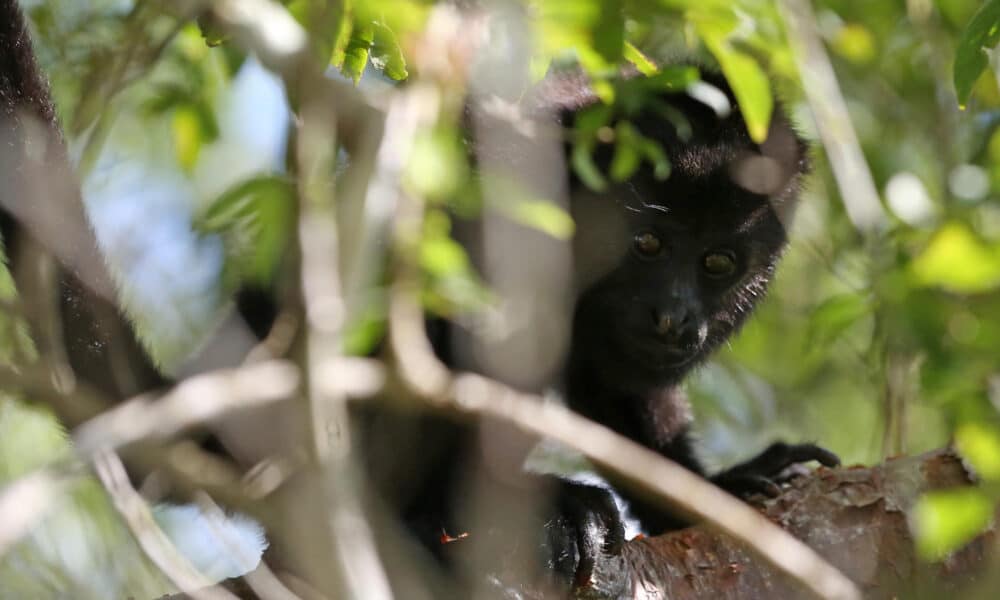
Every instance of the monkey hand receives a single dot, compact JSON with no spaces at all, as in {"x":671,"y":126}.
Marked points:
{"x":776,"y":464}
{"x":586,"y":530}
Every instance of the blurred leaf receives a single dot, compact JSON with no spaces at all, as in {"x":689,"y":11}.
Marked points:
{"x":255,"y":220}
{"x":358,"y":50}
{"x":401,"y":16}
{"x":386,"y":55}
{"x":210,"y":31}
{"x":834,"y":316}
{"x":957,"y":261}
{"x":980,"y":445}
{"x":626,"y":158}
{"x":338,"y":47}
{"x":609,"y":33}
{"x":438,"y":165}
{"x":747,"y":79}
{"x":654,"y":153}
{"x":442,"y":256}
{"x":855,"y":43}
{"x":193,"y":126}
{"x":585,"y":128}
{"x":544,"y":216}
{"x":453,"y":284}
{"x":582,"y":161}
{"x":982,"y":32}
{"x":519,"y":205}
{"x":946,"y":520}
{"x":642,"y":62}
{"x":592,"y":32}
{"x":24,"y":427}
{"x":362,"y":335}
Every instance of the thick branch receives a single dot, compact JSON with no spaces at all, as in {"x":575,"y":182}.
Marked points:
{"x":855,"y":518}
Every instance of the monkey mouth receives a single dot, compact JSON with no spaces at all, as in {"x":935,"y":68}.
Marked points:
{"x":659,"y":354}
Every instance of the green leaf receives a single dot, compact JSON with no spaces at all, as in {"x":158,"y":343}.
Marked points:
{"x":834,"y":316}
{"x":452,"y":283}
{"x":983,"y":31}
{"x":591,"y":32}
{"x":363,"y":333}
{"x":358,"y":50}
{"x":958,"y":261}
{"x":193,"y":126}
{"x":582,"y":161}
{"x":585,"y":129}
{"x":626,"y":158}
{"x":654,"y":153}
{"x":519,"y":205}
{"x":211,"y":32}
{"x":609,"y":32}
{"x":386,"y":55}
{"x":544,"y":216}
{"x":746,"y":77}
{"x":255,"y":219}
{"x":643,"y":63}
{"x":980,"y":446}
{"x":438,"y":164}
{"x":946,"y":520}
{"x":187,"y":137}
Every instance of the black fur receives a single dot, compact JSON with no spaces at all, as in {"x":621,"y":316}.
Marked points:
{"x":640,"y":323}
{"x":40,"y":208}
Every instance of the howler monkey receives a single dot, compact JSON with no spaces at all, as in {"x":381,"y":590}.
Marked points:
{"x":667,"y":269}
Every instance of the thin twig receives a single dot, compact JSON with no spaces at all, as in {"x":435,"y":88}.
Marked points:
{"x":854,"y":178}
{"x":193,"y":401}
{"x":157,"y":546}
{"x":261,"y":579}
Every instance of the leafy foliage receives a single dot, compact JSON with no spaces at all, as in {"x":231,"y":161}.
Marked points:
{"x":853,"y":322}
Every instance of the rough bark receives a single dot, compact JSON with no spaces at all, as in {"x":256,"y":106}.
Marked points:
{"x":854,"y":517}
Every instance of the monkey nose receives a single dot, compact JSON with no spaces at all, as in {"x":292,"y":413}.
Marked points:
{"x":662,"y":322}
{"x":672,"y":324}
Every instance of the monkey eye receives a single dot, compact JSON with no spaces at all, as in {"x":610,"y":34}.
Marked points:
{"x":647,"y":244}
{"x":719,"y":263}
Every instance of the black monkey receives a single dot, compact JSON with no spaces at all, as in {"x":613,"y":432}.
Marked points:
{"x":689,"y":259}
{"x":668,"y":270}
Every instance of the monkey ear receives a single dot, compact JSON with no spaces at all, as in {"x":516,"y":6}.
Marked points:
{"x":775,"y":168}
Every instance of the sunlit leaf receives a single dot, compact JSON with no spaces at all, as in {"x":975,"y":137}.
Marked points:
{"x":386,"y":55}
{"x":856,"y":43}
{"x":592,"y":32}
{"x":980,"y":445}
{"x":643,"y":63}
{"x":982,"y":32}
{"x":518,"y":204}
{"x":744,"y":74}
{"x":958,"y":261}
{"x":453,"y":284}
{"x":358,"y":50}
{"x":193,"y":126}
{"x":544,"y":216}
{"x":438,"y":165}
{"x":944,"y":521}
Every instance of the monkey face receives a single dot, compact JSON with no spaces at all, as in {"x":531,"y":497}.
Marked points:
{"x":666,"y":271}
